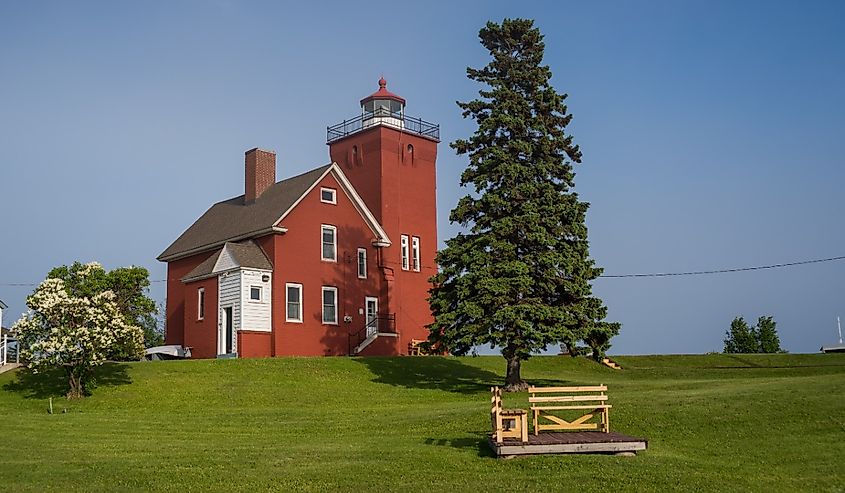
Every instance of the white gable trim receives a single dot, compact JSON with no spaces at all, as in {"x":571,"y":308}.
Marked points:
{"x":381,"y":236}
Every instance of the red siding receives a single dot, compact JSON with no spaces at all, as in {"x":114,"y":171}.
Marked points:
{"x":254,"y":344}
{"x":201,"y":335}
{"x":297,"y":259}
{"x":176,"y":297}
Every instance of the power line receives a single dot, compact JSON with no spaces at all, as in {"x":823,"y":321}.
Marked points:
{"x":619,"y":276}
{"x":724,"y":271}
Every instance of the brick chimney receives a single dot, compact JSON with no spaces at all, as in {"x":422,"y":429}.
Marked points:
{"x":260,"y":173}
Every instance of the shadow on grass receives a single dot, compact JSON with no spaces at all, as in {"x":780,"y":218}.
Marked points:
{"x":478,"y":443}
{"x":431,"y":372}
{"x":438,"y":372}
{"x":53,"y":382}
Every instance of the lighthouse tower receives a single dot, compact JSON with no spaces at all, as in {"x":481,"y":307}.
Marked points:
{"x":390,"y":159}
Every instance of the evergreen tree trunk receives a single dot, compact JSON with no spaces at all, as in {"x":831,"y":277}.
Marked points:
{"x":513,"y":379}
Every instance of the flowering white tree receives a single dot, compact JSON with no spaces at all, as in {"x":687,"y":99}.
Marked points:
{"x":74,"y":333}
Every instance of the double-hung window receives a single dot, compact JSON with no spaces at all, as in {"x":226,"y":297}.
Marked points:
{"x":362,"y":263}
{"x":415,"y":253}
{"x":403,"y":243}
{"x":329,"y":305}
{"x":200,"y":303}
{"x":293,"y":302}
{"x":329,"y":242}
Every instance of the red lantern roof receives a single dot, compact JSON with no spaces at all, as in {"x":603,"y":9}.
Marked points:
{"x":383,"y":93}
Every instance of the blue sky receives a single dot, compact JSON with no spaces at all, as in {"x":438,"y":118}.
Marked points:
{"x":712,"y":135}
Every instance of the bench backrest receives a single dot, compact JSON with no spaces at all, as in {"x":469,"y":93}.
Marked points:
{"x":495,"y":400}
{"x":541,"y":396}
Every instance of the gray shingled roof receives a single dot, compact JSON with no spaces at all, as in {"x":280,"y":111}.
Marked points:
{"x":232,"y":219}
{"x":247,"y":254}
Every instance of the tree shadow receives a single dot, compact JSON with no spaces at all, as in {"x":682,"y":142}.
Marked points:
{"x":53,"y":382}
{"x":745,"y":361}
{"x":431,"y":372}
{"x":441,"y":373}
{"x":478,"y":442}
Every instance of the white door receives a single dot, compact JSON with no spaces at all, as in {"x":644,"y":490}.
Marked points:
{"x":372,"y":315}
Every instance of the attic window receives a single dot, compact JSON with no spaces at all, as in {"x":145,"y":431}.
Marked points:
{"x":328,"y":195}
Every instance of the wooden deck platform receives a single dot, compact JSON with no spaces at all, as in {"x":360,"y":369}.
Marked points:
{"x":585,"y":442}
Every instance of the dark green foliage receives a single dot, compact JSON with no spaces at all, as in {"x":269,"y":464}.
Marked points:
{"x":129,"y":284}
{"x":767,"y":335}
{"x":519,"y":278}
{"x":763,"y":338}
{"x":740,"y":338}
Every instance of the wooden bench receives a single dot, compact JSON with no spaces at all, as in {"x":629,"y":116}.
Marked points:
{"x":547,"y":401}
{"x":507,"y":423}
{"x":414,"y":348}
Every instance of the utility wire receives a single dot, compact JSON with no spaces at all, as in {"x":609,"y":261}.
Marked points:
{"x":724,"y":271}
{"x":656,"y":274}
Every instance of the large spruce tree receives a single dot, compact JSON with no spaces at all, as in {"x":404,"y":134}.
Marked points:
{"x":519,"y":277}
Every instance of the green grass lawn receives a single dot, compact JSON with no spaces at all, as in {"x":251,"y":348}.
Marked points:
{"x":716,"y":422}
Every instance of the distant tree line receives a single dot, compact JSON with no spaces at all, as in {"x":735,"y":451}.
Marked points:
{"x":762,"y":338}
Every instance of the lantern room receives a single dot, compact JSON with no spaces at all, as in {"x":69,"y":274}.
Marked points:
{"x":383,"y":106}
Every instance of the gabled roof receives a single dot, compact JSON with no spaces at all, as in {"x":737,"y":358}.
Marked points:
{"x":233,"y":255}
{"x":233,"y":220}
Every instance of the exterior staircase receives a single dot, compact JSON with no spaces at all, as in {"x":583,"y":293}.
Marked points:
{"x":611,"y":364}
{"x":382,"y":326}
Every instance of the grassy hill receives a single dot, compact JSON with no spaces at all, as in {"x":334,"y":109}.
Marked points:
{"x":716,"y":422}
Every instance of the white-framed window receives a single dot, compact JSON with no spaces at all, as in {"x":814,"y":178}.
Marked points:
{"x":293,"y":302}
{"x":415,"y":253}
{"x":328,"y":195}
{"x":255,"y":293}
{"x":328,"y":235}
{"x":329,"y":305}
{"x":200,"y":303}
{"x":362,"y":263}
{"x":403,"y":243}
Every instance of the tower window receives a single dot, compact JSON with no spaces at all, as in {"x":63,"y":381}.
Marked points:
{"x":410,"y":148}
{"x":404,"y":248}
{"x":415,"y":253}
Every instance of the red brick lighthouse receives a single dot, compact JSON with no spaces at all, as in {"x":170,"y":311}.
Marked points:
{"x":390,"y":159}
{"x":249,"y":277}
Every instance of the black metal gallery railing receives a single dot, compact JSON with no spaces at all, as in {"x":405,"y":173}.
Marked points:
{"x":409,"y":124}
{"x":379,"y":325}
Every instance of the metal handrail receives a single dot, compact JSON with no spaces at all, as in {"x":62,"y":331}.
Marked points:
{"x":383,"y":116}
{"x":384,"y":324}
